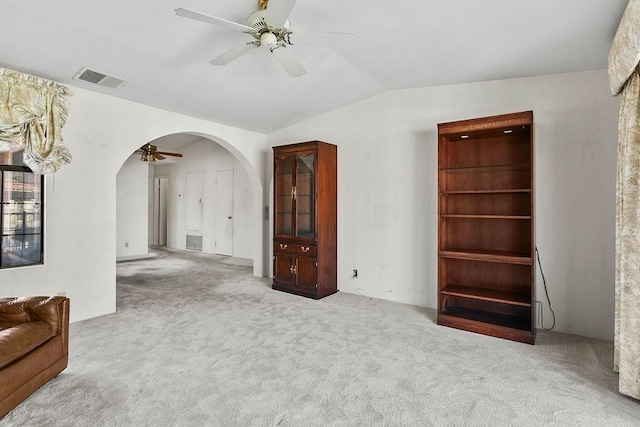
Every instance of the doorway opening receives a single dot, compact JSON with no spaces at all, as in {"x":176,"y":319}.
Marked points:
{"x":159,"y":211}
{"x":224,"y":213}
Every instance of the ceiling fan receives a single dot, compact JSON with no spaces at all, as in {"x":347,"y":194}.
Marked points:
{"x":149,"y":153}
{"x":269,"y":27}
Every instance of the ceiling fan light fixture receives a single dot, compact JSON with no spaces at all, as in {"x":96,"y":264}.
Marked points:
{"x":147,"y":157}
{"x":147,"y":152}
{"x":269,"y":40}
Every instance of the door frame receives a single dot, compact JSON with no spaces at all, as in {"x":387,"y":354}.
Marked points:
{"x":160,"y":209}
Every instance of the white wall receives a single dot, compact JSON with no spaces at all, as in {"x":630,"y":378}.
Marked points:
{"x":132,"y":199}
{"x":387,"y":181}
{"x":209,"y":157}
{"x":387,"y":225}
{"x":80,"y":211}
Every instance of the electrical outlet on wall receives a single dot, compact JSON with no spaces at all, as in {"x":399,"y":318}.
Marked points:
{"x":355,"y":273}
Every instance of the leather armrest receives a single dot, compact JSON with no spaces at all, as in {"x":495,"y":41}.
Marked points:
{"x":53,"y":310}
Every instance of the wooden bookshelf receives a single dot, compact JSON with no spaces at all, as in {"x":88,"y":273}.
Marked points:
{"x":486,"y":226}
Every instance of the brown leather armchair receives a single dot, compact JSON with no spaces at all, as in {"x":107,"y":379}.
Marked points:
{"x":34,"y":345}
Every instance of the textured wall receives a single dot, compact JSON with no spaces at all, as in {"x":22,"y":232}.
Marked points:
{"x":387,"y":163}
{"x":80,"y":213}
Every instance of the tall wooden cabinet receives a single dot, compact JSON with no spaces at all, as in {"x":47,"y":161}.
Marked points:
{"x":486,"y":253}
{"x":305,"y":219}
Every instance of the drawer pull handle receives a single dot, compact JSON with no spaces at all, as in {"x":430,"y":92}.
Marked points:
{"x":305,"y":249}
{"x":283,"y":246}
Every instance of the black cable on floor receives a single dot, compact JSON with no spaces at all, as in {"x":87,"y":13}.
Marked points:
{"x":540,"y":307}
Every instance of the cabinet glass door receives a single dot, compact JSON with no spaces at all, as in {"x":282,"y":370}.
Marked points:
{"x":284,"y":196}
{"x":305,"y":196}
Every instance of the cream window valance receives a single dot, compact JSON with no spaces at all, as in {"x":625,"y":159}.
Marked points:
{"x":32,"y":114}
{"x":624,"y":55}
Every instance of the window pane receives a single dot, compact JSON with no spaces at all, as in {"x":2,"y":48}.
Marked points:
{"x":15,"y":158}
{"x":21,"y":186}
{"x":20,"y":218}
{"x":21,"y":250}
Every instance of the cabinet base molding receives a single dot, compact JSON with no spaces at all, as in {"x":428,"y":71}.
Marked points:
{"x":487,"y":328}
{"x":301,"y":292}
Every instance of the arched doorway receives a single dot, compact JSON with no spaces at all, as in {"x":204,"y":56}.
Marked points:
{"x":204,"y":158}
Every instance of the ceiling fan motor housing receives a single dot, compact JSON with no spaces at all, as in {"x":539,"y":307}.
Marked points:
{"x":268,"y":36}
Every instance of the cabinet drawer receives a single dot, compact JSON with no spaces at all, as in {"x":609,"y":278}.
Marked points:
{"x":283,"y":247}
{"x":305,"y":250}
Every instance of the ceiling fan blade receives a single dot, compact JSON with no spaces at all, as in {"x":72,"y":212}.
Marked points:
{"x":169,"y":154}
{"x":289,"y":62}
{"x":324,"y":39}
{"x":234,"y":53}
{"x":159,"y":156}
{"x":278,"y":12}
{"x":191,"y":14}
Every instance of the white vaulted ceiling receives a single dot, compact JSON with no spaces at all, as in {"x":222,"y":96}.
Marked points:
{"x":164,"y":59}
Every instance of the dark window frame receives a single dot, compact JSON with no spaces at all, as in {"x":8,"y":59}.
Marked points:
{"x":14,"y":168}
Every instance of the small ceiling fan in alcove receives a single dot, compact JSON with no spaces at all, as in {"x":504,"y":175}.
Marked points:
{"x":149,"y":153}
{"x":270,"y":28}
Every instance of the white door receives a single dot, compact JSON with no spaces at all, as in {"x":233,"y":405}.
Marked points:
{"x":224,"y":212}
{"x":193,"y":202}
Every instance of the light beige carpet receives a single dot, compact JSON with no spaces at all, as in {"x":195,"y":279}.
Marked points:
{"x":198,"y":341}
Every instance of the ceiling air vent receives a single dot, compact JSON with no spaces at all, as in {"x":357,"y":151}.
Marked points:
{"x":96,"y":78}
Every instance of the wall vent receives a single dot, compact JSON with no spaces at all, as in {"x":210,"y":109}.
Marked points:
{"x":194,"y":243}
{"x":97,"y":78}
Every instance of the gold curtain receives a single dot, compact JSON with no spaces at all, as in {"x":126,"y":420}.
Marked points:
{"x":32,"y":114}
{"x":624,"y":79}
